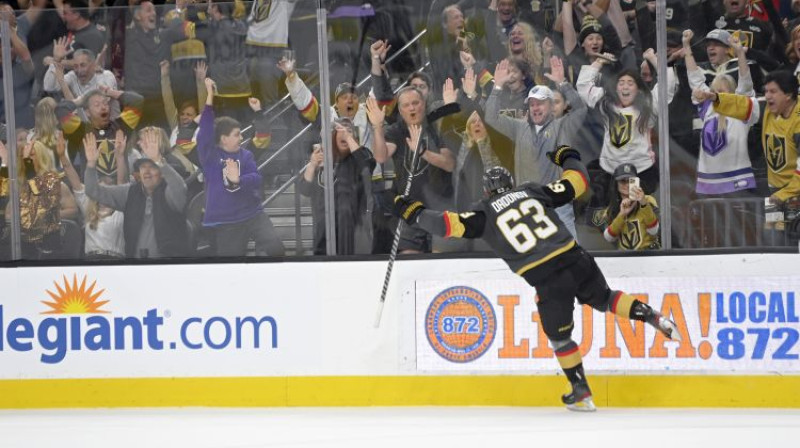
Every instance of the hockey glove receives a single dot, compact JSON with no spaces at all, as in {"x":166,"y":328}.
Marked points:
{"x":563,"y":153}
{"x":407,"y":209}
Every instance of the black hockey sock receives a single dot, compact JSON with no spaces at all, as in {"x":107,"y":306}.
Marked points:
{"x":575,"y":374}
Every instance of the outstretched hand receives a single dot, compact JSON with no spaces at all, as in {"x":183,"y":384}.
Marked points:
{"x":286,"y":66}
{"x":556,"y":70}
{"x":375,"y":113}
{"x":120,"y":141}
{"x":501,"y":73}
{"x":469,"y":83}
{"x":149,"y":145}
{"x":449,"y":92}
{"x":407,"y":209}
{"x":231,"y":170}
{"x":90,"y":149}
{"x":201,"y":70}
{"x":415,"y":132}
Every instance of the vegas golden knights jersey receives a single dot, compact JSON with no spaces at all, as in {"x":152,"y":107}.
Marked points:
{"x":637,"y":231}
{"x":521,"y":225}
{"x":780,"y":138}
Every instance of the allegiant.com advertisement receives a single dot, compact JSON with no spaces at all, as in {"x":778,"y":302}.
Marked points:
{"x":78,"y":315}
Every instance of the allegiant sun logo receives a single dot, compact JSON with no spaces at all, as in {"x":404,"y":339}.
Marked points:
{"x":75,"y":299}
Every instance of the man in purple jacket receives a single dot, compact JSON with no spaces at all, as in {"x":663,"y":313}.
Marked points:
{"x":233,"y":184}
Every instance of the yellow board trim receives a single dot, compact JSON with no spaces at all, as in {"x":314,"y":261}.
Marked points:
{"x":723,"y":391}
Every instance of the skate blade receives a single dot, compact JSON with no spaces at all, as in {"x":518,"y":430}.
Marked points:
{"x":585,"y":405}
{"x":669,"y":329}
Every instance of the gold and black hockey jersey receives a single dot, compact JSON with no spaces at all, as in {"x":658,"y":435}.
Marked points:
{"x":521,"y":225}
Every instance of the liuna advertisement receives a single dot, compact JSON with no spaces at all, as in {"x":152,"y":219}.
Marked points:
{"x":736,"y":324}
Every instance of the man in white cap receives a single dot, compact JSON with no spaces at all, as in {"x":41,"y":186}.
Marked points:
{"x":540,"y":132}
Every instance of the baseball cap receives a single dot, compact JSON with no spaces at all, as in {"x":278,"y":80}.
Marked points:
{"x":139,"y":162}
{"x":343,"y":88}
{"x":540,"y":93}
{"x":720,"y":36}
{"x":625,"y":171}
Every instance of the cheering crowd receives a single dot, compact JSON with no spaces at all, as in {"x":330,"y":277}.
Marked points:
{"x":129,"y":115}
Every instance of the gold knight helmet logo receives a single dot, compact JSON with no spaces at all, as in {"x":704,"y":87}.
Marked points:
{"x":775,"y":152}
{"x":620,"y":130}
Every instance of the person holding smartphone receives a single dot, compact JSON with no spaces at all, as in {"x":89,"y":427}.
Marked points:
{"x":631,"y":219}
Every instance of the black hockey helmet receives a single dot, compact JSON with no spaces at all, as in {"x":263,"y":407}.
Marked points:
{"x":497,"y":180}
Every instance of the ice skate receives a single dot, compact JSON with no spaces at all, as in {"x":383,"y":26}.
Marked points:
{"x":580,"y":399}
{"x":664,"y":325}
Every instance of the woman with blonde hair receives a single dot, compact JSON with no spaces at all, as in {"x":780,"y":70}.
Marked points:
{"x":474,"y":157}
{"x":104,"y":238}
{"x":44,"y":201}
{"x":45,"y":127}
{"x":793,"y":52}
{"x":524,"y":44}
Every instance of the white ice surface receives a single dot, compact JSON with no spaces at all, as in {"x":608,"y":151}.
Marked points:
{"x":399,"y":427}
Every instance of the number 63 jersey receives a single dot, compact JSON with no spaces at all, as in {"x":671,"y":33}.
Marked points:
{"x":520,"y":225}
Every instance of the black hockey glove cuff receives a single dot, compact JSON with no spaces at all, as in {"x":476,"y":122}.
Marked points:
{"x":563,"y":153}
{"x":407,"y":209}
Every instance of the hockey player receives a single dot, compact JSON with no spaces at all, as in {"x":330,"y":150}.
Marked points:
{"x":522,"y":227}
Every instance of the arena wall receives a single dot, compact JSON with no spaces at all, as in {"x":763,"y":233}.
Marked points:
{"x":454,"y":332}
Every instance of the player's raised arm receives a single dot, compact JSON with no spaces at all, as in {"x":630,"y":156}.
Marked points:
{"x":574,"y":180}
{"x":443,"y":223}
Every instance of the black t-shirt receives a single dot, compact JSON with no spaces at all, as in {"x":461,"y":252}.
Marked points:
{"x":423,"y":173}
{"x":89,"y":37}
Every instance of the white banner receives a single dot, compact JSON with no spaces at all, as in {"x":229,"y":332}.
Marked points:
{"x":190,"y":321}
{"x":307,"y":319}
{"x":728,"y":324}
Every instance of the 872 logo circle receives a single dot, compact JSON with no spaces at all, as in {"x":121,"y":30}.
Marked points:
{"x":460,"y":324}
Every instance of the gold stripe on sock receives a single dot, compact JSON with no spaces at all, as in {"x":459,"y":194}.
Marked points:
{"x":569,"y":359}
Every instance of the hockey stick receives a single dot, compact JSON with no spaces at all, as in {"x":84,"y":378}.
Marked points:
{"x":396,"y":241}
